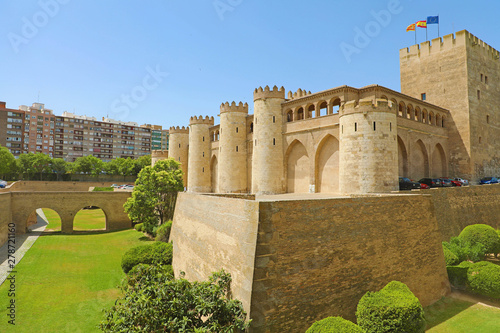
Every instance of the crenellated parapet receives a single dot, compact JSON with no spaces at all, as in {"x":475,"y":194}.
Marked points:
{"x":447,"y":42}
{"x":200,"y":120}
{"x":180,"y":130}
{"x":260,"y":93}
{"x":367,"y":105}
{"x":298,"y":94}
{"x":233,"y":107}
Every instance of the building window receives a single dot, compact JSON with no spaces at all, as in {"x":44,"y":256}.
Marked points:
{"x":487,"y":119}
{"x":179,"y":145}
{"x":274,"y":119}
{"x":203,"y":170}
{"x":479,"y":94}
{"x":481,"y":77}
{"x":203,"y":139}
{"x":255,"y":142}
{"x":355,"y":127}
{"x":485,"y":79}
{"x":479,"y":139}
{"x":236,"y":129}
{"x":423,"y":96}
{"x":274,"y":141}
{"x":236,"y":148}
{"x":390,"y":127}
{"x":374,"y":126}
{"x":203,"y":154}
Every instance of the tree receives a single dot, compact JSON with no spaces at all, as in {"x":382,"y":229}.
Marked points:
{"x":25,"y":165}
{"x":141,"y":163}
{"x":157,"y":303}
{"x":59,"y":167}
{"x":89,"y":165}
{"x":41,"y":163}
{"x":154,"y":195}
{"x":7,"y":162}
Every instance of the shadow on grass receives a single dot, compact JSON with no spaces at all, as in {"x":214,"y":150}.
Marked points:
{"x":47,"y":233}
{"x":145,"y":239}
{"x":444,"y":309}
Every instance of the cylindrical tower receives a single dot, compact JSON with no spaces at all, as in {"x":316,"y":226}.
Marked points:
{"x":158,"y":155}
{"x":199,"y":154}
{"x":232,"y":148}
{"x":179,"y":147}
{"x":368,"y":149}
{"x":267,"y":161}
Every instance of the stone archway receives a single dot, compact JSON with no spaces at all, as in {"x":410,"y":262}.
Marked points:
{"x":297,"y":164}
{"x":419,"y":161}
{"x":438,"y":162}
{"x":402,"y":158}
{"x":327,"y":165}
{"x":90,"y":218}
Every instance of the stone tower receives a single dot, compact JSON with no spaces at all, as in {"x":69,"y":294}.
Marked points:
{"x":158,"y":155}
{"x":368,"y":147}
{"x":267,"y":162}
{"x":179,"y":147}
{"x":460,"y":73}
{"x":199,"y":154}
{"x":232,"y":176}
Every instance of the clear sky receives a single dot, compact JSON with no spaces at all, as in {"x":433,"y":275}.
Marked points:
{"x":162,"y":61}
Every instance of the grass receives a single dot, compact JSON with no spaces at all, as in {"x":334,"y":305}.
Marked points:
{"x":103,"y":189}
{"x":451,"y":315}
{"x":64,"y":281}
{"x":85,"y":219}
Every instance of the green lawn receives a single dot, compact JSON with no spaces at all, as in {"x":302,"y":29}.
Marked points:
{"x":85,"y":219}
{"x":456,"y":316}
{"x":64,"y":281}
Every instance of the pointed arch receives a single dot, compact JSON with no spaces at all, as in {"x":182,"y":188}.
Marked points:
{"x":322,"y":108}
{"x":402,"y":158}
{"x":214,"y":172}
{"x":438,"y":161}
{"x":419,"y":161}
{"x":297,"y":168}
{"x":402,"y":110}
{"x":327,"y":165}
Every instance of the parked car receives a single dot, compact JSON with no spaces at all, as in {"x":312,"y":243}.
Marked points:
{"x":115,"y":186}
{"x":445,"y":182}
{"x":407,"y":184}
{"x":424,"y":186}
{"x":464,"y":182}
{"x":456,"y":183}
{"x":3,"y":183}
{"x":488,"y":180}
{"x":431,"y":182}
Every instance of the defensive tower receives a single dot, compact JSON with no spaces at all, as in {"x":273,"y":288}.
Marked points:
{"x":178,"y":148}
{"x":158,"y":155}
{"x":199,"y":154}
{"x":267,"y":162}
{"x":368,"y":147}
{"x":232,"y":176}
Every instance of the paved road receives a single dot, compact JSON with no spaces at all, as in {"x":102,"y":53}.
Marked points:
{"x":22,"y":245}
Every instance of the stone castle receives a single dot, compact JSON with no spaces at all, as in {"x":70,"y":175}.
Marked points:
{"x":347,"y":140}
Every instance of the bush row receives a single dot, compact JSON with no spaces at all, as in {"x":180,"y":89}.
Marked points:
{"x":481,"y":278}
{"x":158,"y":253}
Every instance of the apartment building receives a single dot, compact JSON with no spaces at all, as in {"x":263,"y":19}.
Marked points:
{"x":11,"y":129}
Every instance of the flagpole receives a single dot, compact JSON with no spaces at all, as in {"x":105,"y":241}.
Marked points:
{"x":438,"y":26}
{"x":415,"y":35}
{"x":426,"y":39}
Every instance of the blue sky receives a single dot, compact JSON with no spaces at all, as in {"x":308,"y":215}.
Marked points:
{"x":163,"y":61}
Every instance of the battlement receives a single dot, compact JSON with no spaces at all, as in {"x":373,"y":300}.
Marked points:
{"x":200,"y":120}
{"x":460,"y":39}
{"x":159,"y":153}
{"x":260,"y":93}
{"x":367,"y":105}
{"x":177,"y":129}
{"x":298,"y":94}
{"x":233,"y":107}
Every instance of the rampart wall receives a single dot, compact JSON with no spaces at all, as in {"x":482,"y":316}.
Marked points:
{"x":5,"y":216}
{"x":48,"y":186}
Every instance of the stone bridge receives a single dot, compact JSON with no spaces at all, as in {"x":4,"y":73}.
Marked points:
{"x":67,"y":205}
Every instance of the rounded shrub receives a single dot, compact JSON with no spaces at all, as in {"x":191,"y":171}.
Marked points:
{"x":482,"y":234}
{"x":464,"y":250}
{"x":163,"y":232}
{"x":158,"y":253}
{"x":138,"y":226}
{"x":484,"y":278}
{"x":140,"y":271}
{"x":458,"y":274}
{"x":334,"y":324}
{"x":449,"y":257}
{"x":392,"y":309}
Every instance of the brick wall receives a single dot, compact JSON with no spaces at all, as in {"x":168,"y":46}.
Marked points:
{"x":49,"y":186}
{"x":5,"y":216}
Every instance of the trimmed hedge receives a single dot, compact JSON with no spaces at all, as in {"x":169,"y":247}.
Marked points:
{"x":163,"y":232}
{"x":482,"y":234}
{"x":484,"y":278}
{"x":334,"y":324}
{"x":139,"y":226}
{"x":140,"y":271}
{"x":449,"y":257}
{"x":103,"y":189}
{"x":158,"y":253}
{"x":458,"y":275}
{"x":392,"y":309}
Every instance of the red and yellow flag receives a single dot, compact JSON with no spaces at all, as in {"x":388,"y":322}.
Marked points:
{"x":411,"y":27}
{"x":422,"y":24}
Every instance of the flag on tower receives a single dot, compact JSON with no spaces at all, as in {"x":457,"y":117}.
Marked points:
{"x":422,"y":24}
{"x":411,"y":27}
{"x":433,"y":19}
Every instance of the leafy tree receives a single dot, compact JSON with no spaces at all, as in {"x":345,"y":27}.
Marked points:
{"x":157,"y":303}
{"x":154,"y":195}
{"x":7,"y":162}
{"x":141,"y":163}
{"x":25,"y":165}
{"x":41,"y":163}
{"x":89,"y":165}
{"x":59,"y":167}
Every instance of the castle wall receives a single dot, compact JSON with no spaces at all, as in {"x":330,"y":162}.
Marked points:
{"x":216,"y":233}
{"x":179,"y":149}
{"x":5,"y":217}
{"x":199,"y":177}
{"x":50,"y":186}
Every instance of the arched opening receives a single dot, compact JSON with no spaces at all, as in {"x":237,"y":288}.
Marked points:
{"x":393,"y":102}
{"x":212,"y":136}
{"x":438,"y":162}
{"x":311,"y":111}
{"x":90,"y":218}
{"x":327,"y":165}
{"x":432,"y":119}
{"x":442,"y":121}
{"x":438,"y":119}
{"x":418,"y":114}
{"x":214,"y":174}
{"x":297,"y":168}
{"x":419,"y":161}
{"x":402,"y":158}
{"x":409,"y":112}
{"x":336,"y":105}
{"x":251,"y":127}
{"x":217,"y":135}
{"x":425,"y":117}
{"x":289,"y":116}
{"x":402,"y":110}
{"x":44,"y":217}
{"x":323,"y":109}
{"x":300,"y":114}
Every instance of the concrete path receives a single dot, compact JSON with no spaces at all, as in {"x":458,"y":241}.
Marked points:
{"x":22,"y":245}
